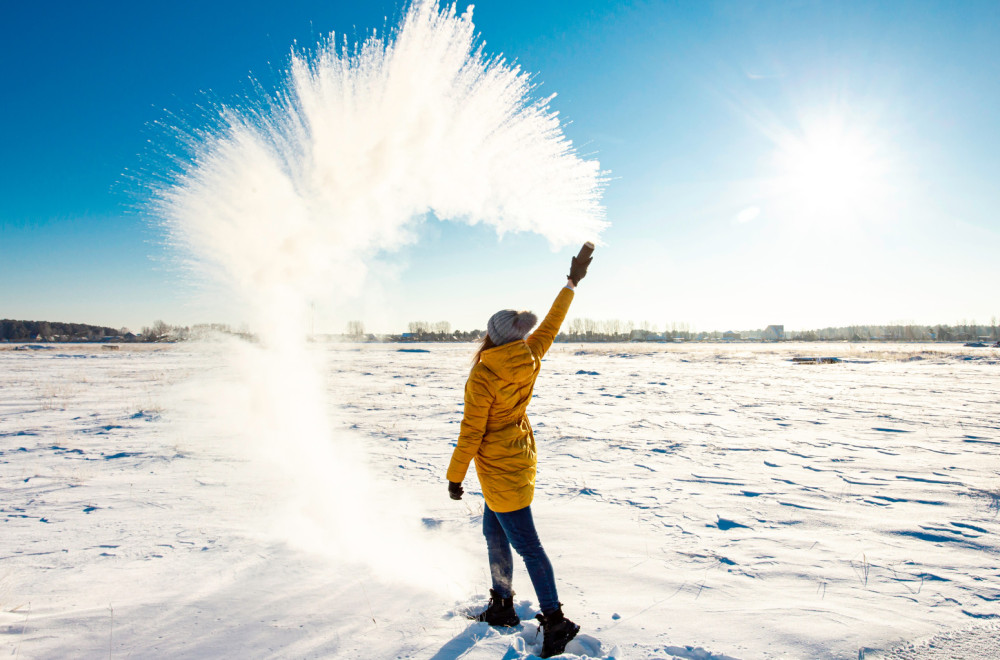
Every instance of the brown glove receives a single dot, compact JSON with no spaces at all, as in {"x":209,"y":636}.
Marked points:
{"x":578,"y":268}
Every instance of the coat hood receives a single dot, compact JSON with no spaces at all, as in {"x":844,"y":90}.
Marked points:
{"x":511,"y":362}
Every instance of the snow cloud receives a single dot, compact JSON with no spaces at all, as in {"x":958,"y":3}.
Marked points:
{"x":285,"y":203}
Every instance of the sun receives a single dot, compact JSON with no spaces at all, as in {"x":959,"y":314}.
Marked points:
{"x":830,"y":168}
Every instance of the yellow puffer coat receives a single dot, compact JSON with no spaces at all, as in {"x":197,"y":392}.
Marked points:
{"x":495,"y":429}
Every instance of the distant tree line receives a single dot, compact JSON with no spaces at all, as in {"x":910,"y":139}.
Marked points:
{"x":52,"y":331}
{"x":27,"y":331}
{"x":965,"y":331}
{"x":430,"y":331}
{"x":440,"y":331}
{"x":416,"y":331}
{"x":163,"y":332}
{"x":614,"y":330}
{"x":574,"y":330}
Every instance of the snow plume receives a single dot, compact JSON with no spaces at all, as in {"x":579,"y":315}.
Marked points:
{"x":284,"y":202}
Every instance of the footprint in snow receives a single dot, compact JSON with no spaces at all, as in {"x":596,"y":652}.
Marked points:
{"x":696,"y":653}
{"x":522,"y":642}
{"x":528,"y":644}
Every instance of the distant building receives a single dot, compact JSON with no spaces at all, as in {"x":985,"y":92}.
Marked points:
{"x":774,"y":333}
{"x":729,"y":335}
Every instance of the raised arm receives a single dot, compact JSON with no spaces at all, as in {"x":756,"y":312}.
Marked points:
{"x":541,"y":339}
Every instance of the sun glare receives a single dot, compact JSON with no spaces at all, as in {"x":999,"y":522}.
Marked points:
{"x":829,"y":169}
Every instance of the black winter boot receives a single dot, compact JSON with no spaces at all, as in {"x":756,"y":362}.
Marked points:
{"x":499,"y":613}
{"x":558,"y":631}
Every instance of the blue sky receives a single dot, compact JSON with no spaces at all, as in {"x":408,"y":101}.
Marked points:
{"x":804,"y":163}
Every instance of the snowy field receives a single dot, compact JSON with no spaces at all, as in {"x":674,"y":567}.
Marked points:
{"x":698,"y":502}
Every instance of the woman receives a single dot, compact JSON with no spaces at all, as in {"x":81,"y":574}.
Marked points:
{"x":496,"y":433}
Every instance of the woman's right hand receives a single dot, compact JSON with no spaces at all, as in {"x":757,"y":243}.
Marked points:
{"x":455,"y":490}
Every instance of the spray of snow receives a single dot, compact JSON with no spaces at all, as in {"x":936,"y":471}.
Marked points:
{"x":284,"y":203}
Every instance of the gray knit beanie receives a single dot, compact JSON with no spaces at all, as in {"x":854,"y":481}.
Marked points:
{"x":507,"y":325}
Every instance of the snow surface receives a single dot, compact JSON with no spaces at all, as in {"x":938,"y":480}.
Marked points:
{"x":697,"y":501}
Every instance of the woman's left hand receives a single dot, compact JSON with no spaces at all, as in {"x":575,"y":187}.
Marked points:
{"x":455,"y":490}
{"x":578,"y":267}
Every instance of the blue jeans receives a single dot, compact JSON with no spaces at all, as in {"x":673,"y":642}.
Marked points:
{"x":517,"y":528}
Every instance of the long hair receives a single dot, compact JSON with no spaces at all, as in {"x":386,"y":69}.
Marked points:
{"x":485,"y":345}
